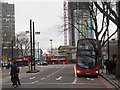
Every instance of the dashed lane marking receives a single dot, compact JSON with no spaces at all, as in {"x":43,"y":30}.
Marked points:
{"x":48,"y":76}
{"x":31,"y":78}
{"x":34,"y":82}
{"x":42,"y":78}
{"x":59,"y":78}
{"x":58,"y":83}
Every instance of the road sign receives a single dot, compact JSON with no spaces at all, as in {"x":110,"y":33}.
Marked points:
{"x":4,"y":57}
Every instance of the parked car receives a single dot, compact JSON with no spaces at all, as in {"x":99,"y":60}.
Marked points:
{"x":43,"y":63}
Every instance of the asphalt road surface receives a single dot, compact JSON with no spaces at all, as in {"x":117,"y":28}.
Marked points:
{"x":56,"y":76}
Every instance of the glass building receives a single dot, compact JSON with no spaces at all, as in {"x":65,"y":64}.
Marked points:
{"x":83,"y":24}
{"x":80,"y":22}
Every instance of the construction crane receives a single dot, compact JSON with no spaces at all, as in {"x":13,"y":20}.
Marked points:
{"x":65,"y":29}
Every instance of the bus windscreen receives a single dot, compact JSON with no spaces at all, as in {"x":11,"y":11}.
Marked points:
{"x":87,"y":55}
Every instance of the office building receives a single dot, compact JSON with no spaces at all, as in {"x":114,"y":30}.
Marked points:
{"x":8,"y":24}
{"x":80,"y":22}
{"x":7,"y":27}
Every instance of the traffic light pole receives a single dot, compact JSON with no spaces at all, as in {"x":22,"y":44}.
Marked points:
{"x":32,"y":50}
{"x":31,"y":42}
{"x":34,"y":44}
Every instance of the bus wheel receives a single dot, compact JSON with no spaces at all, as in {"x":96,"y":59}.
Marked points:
{"x":78,"y":75}
{"x":96,"y":76}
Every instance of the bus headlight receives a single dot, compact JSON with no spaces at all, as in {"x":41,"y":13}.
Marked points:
{"x":96,"y":71}
{"x":78,"y":71}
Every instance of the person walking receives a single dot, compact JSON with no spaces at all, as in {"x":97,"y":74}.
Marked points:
{"x":17,"y":77}
{"x":13,"y":73}
{"x":110,"y":67}
{"x":107,"y":65}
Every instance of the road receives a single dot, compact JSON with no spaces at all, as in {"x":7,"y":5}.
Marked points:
{"x":56,"y":76}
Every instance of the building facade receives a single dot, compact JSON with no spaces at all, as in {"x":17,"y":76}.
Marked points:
{"x":80,"y":22}
{"x":8,"y":24}
{"x":67,"y":50}
{"x":0,"y":31}
{"x":7,"y":27}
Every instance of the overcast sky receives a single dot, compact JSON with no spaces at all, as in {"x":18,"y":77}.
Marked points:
{"x":48,"y":17}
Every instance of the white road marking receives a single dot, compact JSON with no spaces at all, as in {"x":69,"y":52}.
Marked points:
{"x":48,"y":76}
{"x":59,"y":78}
{"x":75,"y":71}
{"x":53,"y":73}
{"x":31,"y":77}
{"x":59,"y":83}
{"x":42,"y":78}
{"x":75,"y":80}
{"x":34,"y":82}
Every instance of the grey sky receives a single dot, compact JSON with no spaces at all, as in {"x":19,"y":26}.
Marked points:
{"x":46,"y":15}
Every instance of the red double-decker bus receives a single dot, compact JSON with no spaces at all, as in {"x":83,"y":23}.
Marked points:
{"x":87,"y":57}
{"x":57,"y":59}
{"x":23,"y":60}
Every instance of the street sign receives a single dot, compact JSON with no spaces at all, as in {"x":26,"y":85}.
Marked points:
{"x":4,"y":57}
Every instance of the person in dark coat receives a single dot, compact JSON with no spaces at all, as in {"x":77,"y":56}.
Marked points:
{"x":13,"y":73}
{"x":110,"y":66}
{"x":106,"y":64}
{"x":18,"y":70}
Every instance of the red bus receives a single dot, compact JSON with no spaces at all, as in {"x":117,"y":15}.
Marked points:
{"x":87,"y":57}
{"x":27,"y":59}
{"x":57,"y":59}
{"x":20,"y":60}
{"x":23,"y":60}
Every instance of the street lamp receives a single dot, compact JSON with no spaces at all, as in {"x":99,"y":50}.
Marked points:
{"x":34,"y":33}
{"x":51,"y":46}
{"x":38,"y":50}
{"x":32,"y":45}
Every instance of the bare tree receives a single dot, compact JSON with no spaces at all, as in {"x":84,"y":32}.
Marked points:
{"x":116,"y":20}
{"x":22,"y":43}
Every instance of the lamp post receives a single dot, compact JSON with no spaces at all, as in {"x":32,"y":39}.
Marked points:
{"x":34,"y":33}
{"x":51,"y":46}
{"x":31,"y":42}
{"x":38,"y":50}
{"x":32,"y":45}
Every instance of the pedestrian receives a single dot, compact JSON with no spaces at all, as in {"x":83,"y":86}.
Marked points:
{"x":18,"y":80}
{"x":13,"y":73}
{"x":114,"y":67}
{"x":110,"y":67}
{"x":106,"y":64}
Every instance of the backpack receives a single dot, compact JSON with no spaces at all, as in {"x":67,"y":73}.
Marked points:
{"x":18,"y":70}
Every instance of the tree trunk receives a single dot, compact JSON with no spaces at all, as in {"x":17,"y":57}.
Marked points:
{"x":118,"y":55}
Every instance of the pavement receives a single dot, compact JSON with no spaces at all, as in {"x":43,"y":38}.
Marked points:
{"x":111,"y":78}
